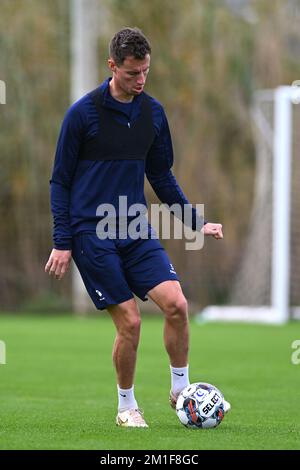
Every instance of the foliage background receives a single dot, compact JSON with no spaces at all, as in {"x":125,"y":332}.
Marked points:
{"x":208,"y":58}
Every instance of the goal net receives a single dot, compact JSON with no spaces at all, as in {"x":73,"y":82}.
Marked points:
{"x":267,"y":284}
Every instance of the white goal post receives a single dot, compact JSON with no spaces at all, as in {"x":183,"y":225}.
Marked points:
{"x":85,"y":23}
{"x":262,"y":290}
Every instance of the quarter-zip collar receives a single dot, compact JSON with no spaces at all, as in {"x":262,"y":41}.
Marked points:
{"x":110,"y":102}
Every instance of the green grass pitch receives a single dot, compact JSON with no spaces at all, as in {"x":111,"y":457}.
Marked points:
{"x":57,"y":389}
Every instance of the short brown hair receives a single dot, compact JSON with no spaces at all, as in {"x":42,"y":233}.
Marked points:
{"x":129,"y":42}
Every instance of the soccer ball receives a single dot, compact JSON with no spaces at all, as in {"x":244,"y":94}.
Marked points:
{"x":200,"y":405}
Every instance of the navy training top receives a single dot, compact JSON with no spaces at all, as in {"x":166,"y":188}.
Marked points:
{"x":79,"y":186}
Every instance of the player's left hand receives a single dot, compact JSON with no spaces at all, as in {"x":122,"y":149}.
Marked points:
{"x":215,"y":230}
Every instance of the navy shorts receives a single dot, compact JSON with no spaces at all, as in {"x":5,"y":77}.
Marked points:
{"x":114,"y":270}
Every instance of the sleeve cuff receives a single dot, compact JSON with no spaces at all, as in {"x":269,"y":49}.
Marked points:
{"x":63,"y":246}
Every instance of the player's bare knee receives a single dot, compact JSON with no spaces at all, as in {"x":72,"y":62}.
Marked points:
{"x":131,"y":327}
{"x":176,"y":309}
{"x":134,"y":325}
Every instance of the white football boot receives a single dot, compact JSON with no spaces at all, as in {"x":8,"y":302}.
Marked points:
{"x":132,"y":418}
{"x":173,"y":399}
{"x":227,"y":406}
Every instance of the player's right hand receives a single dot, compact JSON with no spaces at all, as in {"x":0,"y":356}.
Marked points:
{"x":58,"y":263}
{"x":214,"y":230}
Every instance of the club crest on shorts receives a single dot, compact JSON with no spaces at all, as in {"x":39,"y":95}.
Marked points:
{"x":101,"y":296}
{"x":172,"y":270}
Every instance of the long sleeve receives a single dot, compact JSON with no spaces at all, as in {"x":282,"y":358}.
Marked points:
{"x":66,"y":159}
{"x":158,"y":171}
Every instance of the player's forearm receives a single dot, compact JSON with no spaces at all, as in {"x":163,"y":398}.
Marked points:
{"x":169,"y":192}
{"x":60,"y":207}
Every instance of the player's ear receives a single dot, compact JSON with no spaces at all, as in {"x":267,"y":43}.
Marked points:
{"x":111,"y":64}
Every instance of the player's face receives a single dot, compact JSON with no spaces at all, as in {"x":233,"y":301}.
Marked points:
{"x":130,"y":77}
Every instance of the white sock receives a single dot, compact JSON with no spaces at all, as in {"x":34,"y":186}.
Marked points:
{"x":179,"y":378}
{"x":126,"y":399}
